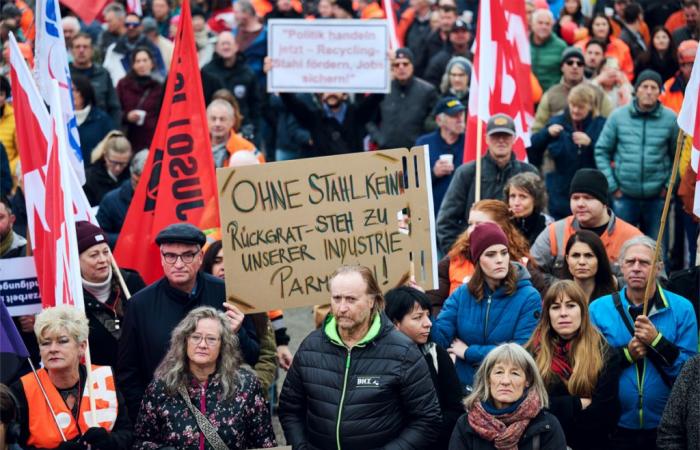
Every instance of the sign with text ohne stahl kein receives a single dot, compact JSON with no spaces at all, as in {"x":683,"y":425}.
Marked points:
{"x":328,"y":56}
{"x":287,"y":226}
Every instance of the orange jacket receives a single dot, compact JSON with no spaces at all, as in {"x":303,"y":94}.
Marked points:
{"x":404,"y":24}
{"x":43,"y":432}
{"x":536,"y":89}
{"x":675,"y":21}
{"x":643,"y":30}
{"x":373,"y":11}
{"x":616,"y":49}
{"x":672,"y":96}
{"x":26,"y":21}
{"x":461,"y":270}
{"x":237,"y":143}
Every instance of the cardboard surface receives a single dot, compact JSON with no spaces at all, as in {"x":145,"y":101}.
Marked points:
{"x":287,"y":226}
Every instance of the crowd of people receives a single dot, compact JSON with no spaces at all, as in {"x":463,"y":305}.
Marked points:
{"x":540,"y":333}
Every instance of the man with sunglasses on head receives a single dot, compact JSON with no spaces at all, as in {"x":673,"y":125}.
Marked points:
{"x":554,"y":99}
{"x":155,"y":311}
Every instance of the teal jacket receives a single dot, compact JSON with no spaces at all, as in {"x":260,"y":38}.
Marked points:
{"x":635,"y":150}
{"x":546,"y":61}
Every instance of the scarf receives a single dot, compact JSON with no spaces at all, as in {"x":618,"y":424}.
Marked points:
{"x":100,"y":290}
{"x":82,"y":114}
{"x":561,"y":358}
{"x":505,"y":430}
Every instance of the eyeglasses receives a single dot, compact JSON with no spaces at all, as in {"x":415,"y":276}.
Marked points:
{"x":196,"y":339}
{"x":573,"y":62}
{"x":132,"y":24}
{"x":187,"y":258}
{"x":116,"y":163}
{"x":401,"y":64}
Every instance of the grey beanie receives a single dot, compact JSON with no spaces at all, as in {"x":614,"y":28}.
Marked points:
{"x":461,"y":61}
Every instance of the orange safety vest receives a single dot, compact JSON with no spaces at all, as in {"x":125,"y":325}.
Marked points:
{"x":42,"y":427}
{"x":461,"y":270}
{"x":617,"y":233}
{"x":672,"y":96}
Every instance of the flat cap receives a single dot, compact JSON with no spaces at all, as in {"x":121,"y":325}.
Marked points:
{"x":183,"y":233}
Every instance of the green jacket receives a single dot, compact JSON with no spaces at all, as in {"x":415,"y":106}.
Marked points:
{"x":546,"y":60}
{"x":635,"y":150}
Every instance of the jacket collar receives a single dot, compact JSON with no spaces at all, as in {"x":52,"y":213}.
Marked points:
{"x":656,"y":112}
{"x":331,"y":330}
{"x":611,"y":223}
{"x":678,"y":84}
{"x":185,"y":297}
{"x":658,"y":302}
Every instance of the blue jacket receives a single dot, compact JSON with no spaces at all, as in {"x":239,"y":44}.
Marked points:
{"x":437,"y":146}
{"x":96,"y":126}
{"x":112,"y":211}
{"x":674,"y":318}
{"x":484,"y":324}
{"x":568,"y":157}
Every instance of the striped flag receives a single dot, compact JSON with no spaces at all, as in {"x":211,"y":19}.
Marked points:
{"x":51,"y":62}
{"x":134,"y":7}
{"x":689,"y":122}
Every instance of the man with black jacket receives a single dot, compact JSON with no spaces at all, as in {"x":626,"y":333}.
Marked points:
{"x":155,"y":311}
{"x":497,"y":166}
{"x":357,"y":382}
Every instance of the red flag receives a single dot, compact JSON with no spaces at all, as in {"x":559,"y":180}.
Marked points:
{"x":500,"y":80}
{"x":689,"y":122}
{"x":178,"y":182}
{"x":87,"y":10}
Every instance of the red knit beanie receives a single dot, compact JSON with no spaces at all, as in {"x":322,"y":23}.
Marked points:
{"x":484,"y":236}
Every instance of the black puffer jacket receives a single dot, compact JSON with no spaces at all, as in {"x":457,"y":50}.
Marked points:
{"x":542,"y":433}
{"x":380,"y":392}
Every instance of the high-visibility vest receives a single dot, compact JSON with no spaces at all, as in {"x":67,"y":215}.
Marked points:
{"x":42,"y":427}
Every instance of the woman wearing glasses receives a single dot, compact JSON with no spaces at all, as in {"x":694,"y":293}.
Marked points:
{"x":110,"y":161}
{"x":200,"y":396}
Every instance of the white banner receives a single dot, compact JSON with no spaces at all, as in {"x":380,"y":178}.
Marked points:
{"x":19,"y":287}
{"x":328,"y":56}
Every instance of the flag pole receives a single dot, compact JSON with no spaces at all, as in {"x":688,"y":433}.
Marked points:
{"x":479,"y":137}
{"x":118,"y":273}
{"x":651,"y":281}
{"x":46,"y":398}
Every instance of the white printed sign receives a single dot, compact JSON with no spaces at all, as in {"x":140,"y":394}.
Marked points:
{"x":328,"y":56}
{"x":19,"y":288}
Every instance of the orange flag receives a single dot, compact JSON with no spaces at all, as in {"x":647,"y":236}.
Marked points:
{"x":178,"y":183}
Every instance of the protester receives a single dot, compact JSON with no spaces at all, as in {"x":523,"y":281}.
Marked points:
{"x":105,"y":96}
{"x":8,"y":133}
{"x":654,"y":346}
{"x":581,"y":373}
{"x":660,"y":55}
{"x":203,"y":367}
{"x":379,"y":398}
{"x":674,"y":87}
{"x":155,"y":311}
{"x":140,"y":95}
{"x":164,"y":45}
{"x":251,"y":38}
{"x":115,"y":203}
{"x":507,"y":408}
{"x":498,"y":304}
{"x":545,"y":49}
{"x":455,"y":80}
{"x":446,"y":145}
{"x":409,"y":310}
{"x":62,"y":332}
{"x":601,"y":28}
{"x":569,"y":138}
{"x":594,"y":57}
{"x":679,"y":428}
{"x":614,"y":83}
{"x":458,"y":46}
{"x":413,"y":30}
{"x":12,"y":245}
{"x":640,"y":140}
{"x":588,"y":196}
{"x":439,"y":38}
{"x":497,"y":167}
{"x":108,"y":170}
{"x":691,"y":30}
{"x":9,"y":428}
{"x":114,"y":15}
{"x":588,"y":266}
{"x":526,"y":196}
{"x":93,"y":122}
{"x":403,"y":112}
{"x":632,"y":19}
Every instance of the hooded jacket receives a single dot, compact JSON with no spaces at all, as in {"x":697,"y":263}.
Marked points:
{"x":484,"y":323}
{"x":377,"y":394}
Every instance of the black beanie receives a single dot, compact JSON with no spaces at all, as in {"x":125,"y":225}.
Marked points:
{"x":649,"y":74}
{"x":88,"y":235}
{"x":591,"y":182}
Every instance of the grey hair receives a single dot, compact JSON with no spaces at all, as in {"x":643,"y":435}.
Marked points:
{"x":224,"y":104}
{"x":531,"y":183}
{"x":464,"y":64}
{"x":70,"y":20}
{"x":174,"y":370}
{"x":514,"y":354}
{"x":115,"y":8}
{"x":645,"y":241}
{"x":138,"y":161}
{"x":62,"y":317}
{"x":542,"y":11}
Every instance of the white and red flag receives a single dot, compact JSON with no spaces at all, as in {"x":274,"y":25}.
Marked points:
{"x":134,"y":7}
{"x":53,"y":195}
{"x":500,"y":81}
{"x":689,"y":122}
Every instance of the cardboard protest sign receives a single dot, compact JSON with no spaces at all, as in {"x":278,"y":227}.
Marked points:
{"x":287,"y":226}
{"x":328,"y":56}
{"x":19,"y":287}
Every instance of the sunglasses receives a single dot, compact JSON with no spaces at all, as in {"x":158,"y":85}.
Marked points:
{"x":401,"y":64}
{"x":132,"y":24}
{"x":573,"y":62}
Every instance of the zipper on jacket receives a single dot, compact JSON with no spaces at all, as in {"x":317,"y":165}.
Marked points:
{"x":342,"y":400}
{"x":640,"y":393}
{"x":486,"y":321}
{"x":644,"y":141}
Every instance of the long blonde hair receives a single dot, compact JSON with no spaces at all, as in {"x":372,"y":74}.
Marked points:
{"x":588,"y":347}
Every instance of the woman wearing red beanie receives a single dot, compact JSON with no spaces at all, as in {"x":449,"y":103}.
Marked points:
{"x":499,"y":304}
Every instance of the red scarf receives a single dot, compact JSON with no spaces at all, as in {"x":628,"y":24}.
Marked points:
{"x":505,"y":431}
{"x":560,"y":359}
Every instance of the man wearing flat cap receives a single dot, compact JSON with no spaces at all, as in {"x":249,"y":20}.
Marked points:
{"x":497,"y":166}
{"x":155,"y":311}
{"x":446,"y":145}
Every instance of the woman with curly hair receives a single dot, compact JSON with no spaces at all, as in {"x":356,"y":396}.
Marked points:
{"x":580,"y":371}
{"x":200,"y":394}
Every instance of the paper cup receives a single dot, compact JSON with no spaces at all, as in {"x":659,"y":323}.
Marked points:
{"x":142,"y":116}
{"x":447,"y":157}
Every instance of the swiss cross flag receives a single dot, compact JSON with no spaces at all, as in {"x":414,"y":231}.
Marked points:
{"x":500,"y":80}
